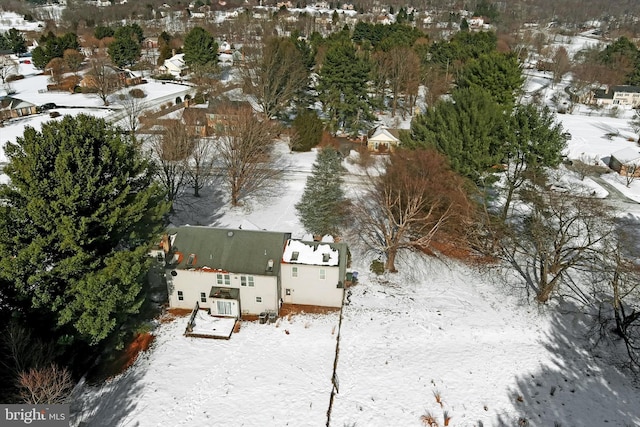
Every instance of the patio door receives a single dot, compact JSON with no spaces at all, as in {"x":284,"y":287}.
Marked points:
{"x":225,"y":307}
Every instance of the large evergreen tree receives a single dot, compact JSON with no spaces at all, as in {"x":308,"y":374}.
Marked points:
{"x":126,"y":49}
{"x":496,"y":72}
{"x":14,"y":41}
{"x":52,"y":46}
{"x":200,"y":48}
{"x":467,"y":129}
{"x":76,"y":220}
{"x":322,"y":207}
{"x":342,"y":88}
{"x":533,"y":140}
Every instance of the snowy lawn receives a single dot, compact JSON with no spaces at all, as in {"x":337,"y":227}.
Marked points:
{"x":265,"y":375}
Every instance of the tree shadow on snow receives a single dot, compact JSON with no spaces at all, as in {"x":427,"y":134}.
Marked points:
{"x":583,"y":382}
{"x":203,"y":210}
{"x":112,"y":405}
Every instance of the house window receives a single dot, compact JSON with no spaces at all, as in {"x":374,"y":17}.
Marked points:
{"x":258,"y":299}
{"x":223,"y":279}
{"x":323,"y":274}
{"x":180,"y":296}
{"x":203,"y":297}
{"x":224,"y":307}
{"x":288,"y":292}
{"x":294,"y":271}
{"x":246,"y":280}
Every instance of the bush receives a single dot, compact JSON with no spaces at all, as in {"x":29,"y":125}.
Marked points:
{"x":77,"y":89}
{"x":54,"y":114}
{"x":377,"y":267}
{"x":187,"y":96}
{"x":308,"y":131}
{"x":178,"y":100}
{"x":137,"y":93}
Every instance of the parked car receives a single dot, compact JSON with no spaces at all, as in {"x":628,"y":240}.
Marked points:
{"x":46,"y":107}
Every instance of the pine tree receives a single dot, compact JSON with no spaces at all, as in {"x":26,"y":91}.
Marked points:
{"x":200,"y":48}
{"x":322,"y":206}
{"x":342,"y":88}
{"x":78,"y":215}
{"x":126,"y":49}
{"x":466,"y":129}
{"x":498,"y":73}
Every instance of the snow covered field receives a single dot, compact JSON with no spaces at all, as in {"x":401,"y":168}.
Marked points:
{"x":436,"y":328}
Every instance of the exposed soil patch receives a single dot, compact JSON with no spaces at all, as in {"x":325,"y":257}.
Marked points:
{"x":292,"y":309}
{"x":123,"y":359}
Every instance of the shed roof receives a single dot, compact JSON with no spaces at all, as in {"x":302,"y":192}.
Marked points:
{"x":232,"y":250}
{"x":627,"y":155}
{"x":384,"y":134}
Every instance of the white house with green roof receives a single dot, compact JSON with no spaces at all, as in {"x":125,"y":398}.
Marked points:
{"x":230,"y":272}
{"x":314,"y":273}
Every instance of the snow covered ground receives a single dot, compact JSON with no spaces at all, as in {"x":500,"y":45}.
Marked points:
{"x":434,"y":328}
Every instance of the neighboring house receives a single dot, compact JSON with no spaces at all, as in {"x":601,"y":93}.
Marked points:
{"x":617,"y":95}
{"x":230,"y":272}
{"x":383,"y":140}
{"x":314,"y":273}
{"x":12,"y":108}
{"x":125,"y":77}
{"x":626,"y":162}
{"x":175,"y":65}
{"x":195,"y":120}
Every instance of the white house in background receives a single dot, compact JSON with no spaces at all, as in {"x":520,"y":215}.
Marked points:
{"x":383,"y":140}
{"x":231,"y":272}
{"x":175,"y":65}
{"x":626,"y":161}
{"x":628,"y":96}
{"x":314,"y":273}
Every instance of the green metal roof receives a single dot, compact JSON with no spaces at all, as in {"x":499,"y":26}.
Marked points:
{"x":232,"y":250}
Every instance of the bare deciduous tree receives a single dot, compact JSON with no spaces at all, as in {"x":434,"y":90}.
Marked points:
{"x":561,"y":63}
{"x":400,"y":67}
{"x":559,"y":237}
{"x":46,"y":385}
{"x":133,"y":107}
{"x":274,"y":74}
{"x":200,"y":164}
{"x":56,"y":69}
{"x":8,"y":67}
{"x":245,"y":151}
{"x":171,"y":151}
{"x":102,"y":78}
{"x":73,"y":60}
{"x":405,"y":207}
{"x":437,"y":83}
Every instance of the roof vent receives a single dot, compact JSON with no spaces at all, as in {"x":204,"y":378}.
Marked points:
{"x":325,"y":257}
{"x":270,"y":265}
{"x":229,"y":233}
{"x":294,"y":256}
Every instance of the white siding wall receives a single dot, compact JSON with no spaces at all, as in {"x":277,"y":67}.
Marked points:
{"x":192,"y":283}
{"x":308,"y":288}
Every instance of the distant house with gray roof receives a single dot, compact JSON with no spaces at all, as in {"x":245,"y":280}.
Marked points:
{"x":628,"y":96}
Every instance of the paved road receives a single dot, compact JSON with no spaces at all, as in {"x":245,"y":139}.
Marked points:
{"x":616,"y":198}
